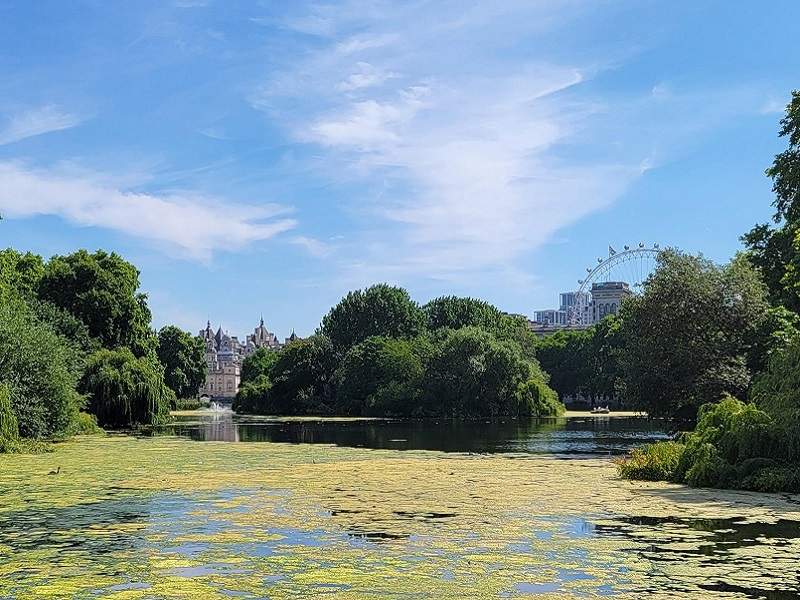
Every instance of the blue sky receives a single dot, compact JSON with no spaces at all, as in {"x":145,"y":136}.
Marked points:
{"x":267,"y":157}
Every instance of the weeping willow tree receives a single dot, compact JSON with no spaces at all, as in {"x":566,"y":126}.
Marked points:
{"x":124,"y":390}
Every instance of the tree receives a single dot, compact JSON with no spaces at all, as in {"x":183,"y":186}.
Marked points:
{"x":38,"y":368}
{"x":380,"y":310}
{"x":254,"y":397}
{"x":302,"y":378}
{"x":125,"y":390}
{"x":775,"y":251}
{"x":777,"y":392}
{"x":381,"y":377}
{"x":102,"y":290}
{"x":21,"y":272}
{"x":184,"y":360}
{"x":453,"y":312}
{"x":472,"y":374}
{"x":258,"y":364}
{"x":686,"y":338}
{"x":565,"y":356}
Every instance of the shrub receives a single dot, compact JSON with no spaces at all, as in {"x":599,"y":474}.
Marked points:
{"x":652,"y":462}
{"x":536,"y":399}
{"x":777,"y":479}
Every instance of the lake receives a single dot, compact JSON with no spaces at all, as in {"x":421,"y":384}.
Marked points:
{"x":215,"y":506}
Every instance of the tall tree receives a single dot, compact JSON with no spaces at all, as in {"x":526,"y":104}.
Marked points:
{"x":380,"y":310}
{"x":259,"y":364}
{"x":686,"y":338}
{"x":184,"y":360}
{"x":303,"y":378}
{"x":102,"y":290}
{"x":381,"y":377}
{"x":776,"y":250}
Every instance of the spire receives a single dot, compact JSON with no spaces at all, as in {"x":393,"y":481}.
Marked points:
{"x":262,"y":319}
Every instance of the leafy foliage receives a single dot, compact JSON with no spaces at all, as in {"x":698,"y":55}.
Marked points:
{"x":381,"y":377}
{"x":302,"y":378}
{"x":125,"y":390}
{"x":102,"y":290}
{"x":652,"y":462}
{"x":38,"y":368}
{"x":472,"y":374}
{"x":380,"y":310}
{"x":686,"y":338}
{"x":184,"y":360}
{"x":259,"y":363}
{"x":775,"y":251}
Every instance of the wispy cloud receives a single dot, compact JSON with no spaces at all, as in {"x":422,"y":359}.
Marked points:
{"x":465,"y":157}
{"x":194,"y":226}
{"x":36,"y":121}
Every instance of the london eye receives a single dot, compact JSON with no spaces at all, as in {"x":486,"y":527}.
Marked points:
{"x":631,"y":265}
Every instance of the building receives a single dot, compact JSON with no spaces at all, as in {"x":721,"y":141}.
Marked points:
{"x":225,"y":354}
{"x":607,"y":297}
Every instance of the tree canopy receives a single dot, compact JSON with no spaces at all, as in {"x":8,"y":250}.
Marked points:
{"x":380,"y":310}
{"x":184,"y":360}
{"x":686,"y":338}
{"x":102,"y":290}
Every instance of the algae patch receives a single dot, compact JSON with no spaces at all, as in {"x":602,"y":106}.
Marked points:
{"x":170,"y":518}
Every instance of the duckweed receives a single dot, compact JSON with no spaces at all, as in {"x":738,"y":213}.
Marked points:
{"x":128,"y":518}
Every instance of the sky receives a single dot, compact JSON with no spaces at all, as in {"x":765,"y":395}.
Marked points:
{"x":267,"y":157}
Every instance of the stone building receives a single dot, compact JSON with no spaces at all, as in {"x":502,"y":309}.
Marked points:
{"x":607,"y":297}
{"x":224,"y":356}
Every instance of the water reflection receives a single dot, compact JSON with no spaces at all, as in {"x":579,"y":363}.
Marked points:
{"x":563,"y":436}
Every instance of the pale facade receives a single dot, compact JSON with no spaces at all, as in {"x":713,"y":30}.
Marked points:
{"x":607,"y":297}
{"x":225,"y":354}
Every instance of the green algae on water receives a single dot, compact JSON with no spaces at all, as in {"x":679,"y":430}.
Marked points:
{"x":162,"y":517}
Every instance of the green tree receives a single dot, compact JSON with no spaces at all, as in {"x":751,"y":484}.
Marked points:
{"x":775,"y":251}
{"x":302,"y":378}
{"x":102,"y":290}
{"x":254,"y":397}
{"x":380,"y":310}
{"x":184,"y":360}
{"x":686,"y":338}
{"x":39,"y":369}
{"x":21,"y":272}
{"x":453,"y":312}
{"x":124,"y":390}
{"x":258,"y":364}
{"x":777,"y":392}
{"x":381,"y":377}
{"x":565,"y":357}
{"x":473,"y":374}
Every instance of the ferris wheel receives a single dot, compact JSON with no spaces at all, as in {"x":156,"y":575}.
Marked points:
{"x":631,"y":265}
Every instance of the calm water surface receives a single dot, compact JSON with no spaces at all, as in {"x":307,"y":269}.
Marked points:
{"x":350,"y":509}
{"x":574,"y":437}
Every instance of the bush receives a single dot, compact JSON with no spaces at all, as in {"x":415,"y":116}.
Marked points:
{"x":734,"y":445}
{"x":85,"y":424}
{"x":652,"y":462}
{"x":124,"y":390}
{"x":536,"y":399}
{"x":38,"y":369}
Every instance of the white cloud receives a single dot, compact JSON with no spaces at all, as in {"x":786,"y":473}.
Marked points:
{"x":193,"y":225}
{"x":313,"y":246}
{"x":36,"y":122}
{"x":365,"y":76}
